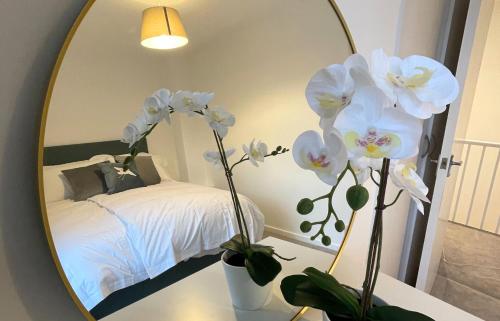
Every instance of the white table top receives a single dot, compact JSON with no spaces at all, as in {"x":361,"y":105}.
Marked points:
{"x":204,"y":296}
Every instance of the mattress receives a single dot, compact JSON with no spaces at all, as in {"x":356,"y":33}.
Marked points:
{"x":173,"y":221}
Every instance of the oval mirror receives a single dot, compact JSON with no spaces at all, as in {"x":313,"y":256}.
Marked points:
{"x":148,"y":247}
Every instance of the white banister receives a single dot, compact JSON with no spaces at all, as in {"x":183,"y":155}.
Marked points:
{"x":492,"y":183}
{"x":473,"y":215}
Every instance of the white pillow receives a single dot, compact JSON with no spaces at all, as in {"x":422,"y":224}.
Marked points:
{"x":54,"y":184}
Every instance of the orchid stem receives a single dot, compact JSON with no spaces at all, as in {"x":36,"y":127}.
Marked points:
{"x":395,"y":200}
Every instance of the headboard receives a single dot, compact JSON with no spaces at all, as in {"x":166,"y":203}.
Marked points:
{"x":56,"y":155}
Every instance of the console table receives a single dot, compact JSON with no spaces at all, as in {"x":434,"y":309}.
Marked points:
{"x":204,"y":296}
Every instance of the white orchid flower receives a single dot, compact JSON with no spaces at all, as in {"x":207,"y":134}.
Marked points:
{"x":134,"y":130}
{"x":362,"y":167}
{"x":219,"y":120}
{"x":215,"y":159}
{"x":164,"y":97}
{"x":331,"y":89}
{"x":256,"y":152}
{"x":370,"y":127}
{"x":191,"y":102}
{"x":419,"y":85}
{"x":405,"y":177}
{"x":326,"y":159}
{"x":121,"y":172}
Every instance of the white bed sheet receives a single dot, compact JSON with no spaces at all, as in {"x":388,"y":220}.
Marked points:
{"x":93,"y":249}
{"x":173,"y":221}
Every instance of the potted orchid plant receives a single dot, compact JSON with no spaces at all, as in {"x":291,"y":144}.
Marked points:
{"x":250,"y":268}
{"x":371,"y":118}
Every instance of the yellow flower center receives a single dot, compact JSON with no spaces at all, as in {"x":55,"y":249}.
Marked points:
{"x":318,"y":162}
{"x":407,"y":171}
{"x":373,"y":144}
{"x":152,"y":110}
{"x":329,"y":101}
{"x":188,"y":102}
{"x":416,"y":81}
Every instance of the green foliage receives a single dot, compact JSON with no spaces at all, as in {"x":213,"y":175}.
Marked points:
{"x":306,"y":226}
{"x":357,"y":196}
{"x":328,"y":283}
{"x":259,"y":260}
{"x":298,"y":290}
{"x":235,"y":244}
{"x":393,"y":313}
{"x":322,"y":291}
{"x":340,"y":226}
{"x":262,"y":267}
{"x":305,"y":206}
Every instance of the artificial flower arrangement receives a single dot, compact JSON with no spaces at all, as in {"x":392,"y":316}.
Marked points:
{"x":371,"y":118}
{"x":258,"y":259}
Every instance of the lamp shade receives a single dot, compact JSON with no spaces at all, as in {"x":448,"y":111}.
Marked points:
{"x":162,"y":29}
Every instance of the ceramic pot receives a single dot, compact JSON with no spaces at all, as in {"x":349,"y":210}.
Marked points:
{"x":245,"y":293}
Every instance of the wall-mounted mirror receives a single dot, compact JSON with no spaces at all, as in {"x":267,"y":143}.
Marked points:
{"x":119,"y":244}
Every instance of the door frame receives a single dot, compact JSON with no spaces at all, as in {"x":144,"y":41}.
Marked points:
{"x":466,"y":21}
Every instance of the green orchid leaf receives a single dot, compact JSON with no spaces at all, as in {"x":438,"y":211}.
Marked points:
{"x":235,"y":244}
{"x":357,"y":196}
{"x":393,"y":313}
{"x":328,"y":283}
{"x":261,"y":266}
{"x":298,"y":290}
{"x":269,"y":250}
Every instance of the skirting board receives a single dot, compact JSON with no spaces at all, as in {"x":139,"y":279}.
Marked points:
{"x":299,"y":239}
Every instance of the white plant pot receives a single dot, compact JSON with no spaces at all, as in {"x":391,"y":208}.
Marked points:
{"x":245,"y":293}
{"x":325,"y":317}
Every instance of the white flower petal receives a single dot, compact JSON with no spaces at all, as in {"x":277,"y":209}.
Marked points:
{"x":309,"y":152}
{"x":405,"y":177}
{"x":420,"y":205}
{"x":219,"y":120}
{"x":409,"y":102}
{"x":164,"y":96}
{"x":371,"y":128}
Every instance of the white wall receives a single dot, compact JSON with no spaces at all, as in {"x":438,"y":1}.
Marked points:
{"x":267,"y":97}
{"x":259,"y":71}
{"x":102,"y":83}
{"x":31,"y":34}
{"x":485,"y":113}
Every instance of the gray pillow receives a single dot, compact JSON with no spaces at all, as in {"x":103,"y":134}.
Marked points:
{"x":85,"y":181}
{"x":144,"y":166}
{"x":118,"y":181}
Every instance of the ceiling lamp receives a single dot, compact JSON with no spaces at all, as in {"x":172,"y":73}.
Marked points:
{"x":162,"y":29}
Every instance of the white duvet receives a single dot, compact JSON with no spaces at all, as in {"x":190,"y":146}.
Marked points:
{"x":113,"y":241}
{"x":93,"y":249}
{"x":172,"y":221}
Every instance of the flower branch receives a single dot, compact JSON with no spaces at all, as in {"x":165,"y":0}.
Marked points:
{"x":277,"y":151}
{"x":259,"y":260}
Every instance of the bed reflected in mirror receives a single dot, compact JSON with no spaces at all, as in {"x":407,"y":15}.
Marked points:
{"x":122,"y":235}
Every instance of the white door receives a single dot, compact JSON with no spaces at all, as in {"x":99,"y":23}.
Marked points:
{"x":471,"y":53}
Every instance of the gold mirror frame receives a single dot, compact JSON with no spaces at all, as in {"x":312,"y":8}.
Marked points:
{"x":41,"y":140}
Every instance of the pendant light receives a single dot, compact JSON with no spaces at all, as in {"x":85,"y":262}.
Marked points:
{"x":162,"y":29}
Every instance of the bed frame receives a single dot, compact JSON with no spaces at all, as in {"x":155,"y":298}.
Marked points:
{"x":56,"y":155}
